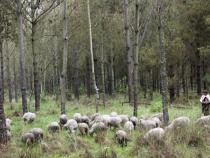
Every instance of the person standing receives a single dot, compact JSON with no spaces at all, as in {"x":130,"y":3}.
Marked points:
{"x":205,"y":102}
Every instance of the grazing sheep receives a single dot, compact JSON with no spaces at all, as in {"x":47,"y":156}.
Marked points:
{"x":97,"y":127}
{"x":38,"y":133}
{"x":8,"y":123}
{"x":83,"y":128}
{"x":77,"y":117}
{"x":63,"y":119}
{"x":147,"y":124}
{"x":113,"y":114}
{"x":115,"y":122}
{"x":180,"y":122}
{"x":204,"y":120}
{"x":85,"y":119}
{"x":134,"y":120}
{"x":71,"y":125}
{"x":124,"y":118}
{"x":129,"y":126}
{"x":53,"y":127}
{"x":92,"y":117}
{"x":121,"y":138}
{"x":155,"y":134}
{"x":29,"y":117}
{"x":159,"y":115}
{"x":157,"y":121}
{"x":28,"y":138}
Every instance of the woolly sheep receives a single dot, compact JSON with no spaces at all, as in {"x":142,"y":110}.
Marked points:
{"x":134,"y":120}
{"x":28,"y":138}
{"x":204,"y":120}
{"x":154,"y":134}
{"x":63,"y":119}
{"x":71,"y":125}
{"x":97,"y":127}
{"x":83,"y":128}
{"x":121,"y":137}
{"x":129,"y":126}
{"x":77,"y":117}
{"x":38,"y":133}
{"x":85,"y":119}
{"x":147,"y":124}
{"x":8,"y":123}
{"x":157,"y":121}
{"x":159,"y":115}
{"x":29,"y":117}
{"x":180,"y":122}
{"x":124,"y":118}
{"x":53,"y":127}
{"x":115,"y":122}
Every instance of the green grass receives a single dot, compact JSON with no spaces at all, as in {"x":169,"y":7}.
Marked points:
{"x":64,"y":145}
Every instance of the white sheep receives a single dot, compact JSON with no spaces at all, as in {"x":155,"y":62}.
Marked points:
{"x":129,"y":126}
{"x":53,"y":127}
{"x":159,"y":115}
{"x":38,"y":133}
{"x":28,"y":138}
{"x":121,"y":137}
{"x":180,"y":122}
{"x":98,"y":127}
{"x":29,"y":117}
{"x":155,"y":134}
{"x":8,"y":123}
{"x":204,"y":120}
{"x":113,"y":114}
{"x":71,"y":125}
{"x":157,"y":121}
{"x":83,"y":128}
{"x":115,"y":122}
{"x":77,"y":117}
{"x":147,"y":124}
{"x":124,"y":118}
{"x":134,"y":120}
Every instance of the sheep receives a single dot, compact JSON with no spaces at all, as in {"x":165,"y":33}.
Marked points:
{"x":124,"y":118}
{"x":85,"y":119}
{"x":113,"y":114}
{"x":77,"y":117}
{"x":97,"y":127}
{"x":83,"y":128}
{"x":159,"y":115}
{"x":28,"y":138}
{"x":53,"y":127}
{"x":204,"y":120}
{"x":129,"y":126}
{"x":180,"y":122}
{"x":115,"y":122}
{"x":121,"y":137}
{"x":38,"y":133}
{"x":63,"y":120}
{"x":147,"y":124}
{"x":157,"y":121}
{"x":92,"y":117}
{"x":71,"y":125}
{"x":155,"y":134}
{"x":29,"y":117}
{"x":8,"y":123}
{"x":134,"y":120}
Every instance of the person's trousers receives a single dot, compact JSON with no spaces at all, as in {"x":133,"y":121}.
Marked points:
{"x":205,"y":109}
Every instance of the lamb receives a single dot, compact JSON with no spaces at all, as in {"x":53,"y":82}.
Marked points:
{"x":147,"y":124}
{"x":155,"y":134}
{"x":8,"y":123}
{"x":83,"y":128}
{"x":134,"y":120}
{"x":28,"y":138}
{"x":53,"y":127}
{"x":63,"y":120}
{"x":129,"y":126}
{"x":121,"y":137}
{"x":38,"y":133}
{"x":180,"y":122}
{"x":71,"y":125}
{"x":29,"y":117}
{"x":97,"y":127}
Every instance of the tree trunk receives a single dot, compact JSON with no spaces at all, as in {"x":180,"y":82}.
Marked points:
{"x":65,"y":56}
{"x":151,"y":84}
{"x":76,"y":75}
{"x":2,"y":67}
{"x":92,"y":57}
{"x":88,"y":82}
{"x":3,"y":131}
{"x":198,"y":71}
{"x":15,"y":79}
{"x":9,"y":83}
{"x":172,"y":83}
{"x":163,"y":73}
{"x":136,"y":61}
{"x":112,"y":69}
{"x":22,"y":57}
{"x":102,"y":72}
{"x":129,"y":53}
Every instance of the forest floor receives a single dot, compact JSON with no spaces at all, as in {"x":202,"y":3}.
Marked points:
{"x":65,"y":145}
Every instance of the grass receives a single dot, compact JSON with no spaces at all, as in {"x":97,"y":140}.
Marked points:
{"x":64,"y":145}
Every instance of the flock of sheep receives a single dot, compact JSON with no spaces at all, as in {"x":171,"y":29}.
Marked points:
{"x":91,"y":125}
